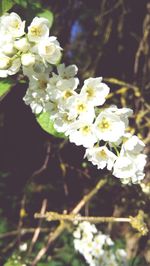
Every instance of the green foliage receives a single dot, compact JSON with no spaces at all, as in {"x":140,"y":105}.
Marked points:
{"x":47,"y":125}
{"x":5,"y":87}
{"x":22,"y":3}
{"x":65,"y":254}
{"x":15,"y":260}
{"x":137,"y":261}
{"x":6,"y":5}
{"x":3,"y":224}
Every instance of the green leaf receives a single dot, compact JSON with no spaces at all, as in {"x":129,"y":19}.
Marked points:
{"x":5,"y":87}
{"x":48,"y":15}
{"x":44,"y":121}
{"x":6,"y":5}
{"x":22,"y":3}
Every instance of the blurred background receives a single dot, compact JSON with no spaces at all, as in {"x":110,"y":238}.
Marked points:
{"x":103,"y":38}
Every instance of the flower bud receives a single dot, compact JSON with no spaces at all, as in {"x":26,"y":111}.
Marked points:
{"x":28,"y":59}
{"x":22,"y":45}
{"x":9,"y":49}
{"x":4,"y":62}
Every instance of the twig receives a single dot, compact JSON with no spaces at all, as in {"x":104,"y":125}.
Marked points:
{"x":54,"y":216}
{"x":123,"y":83}
{"x":38,"y":229}
{"x":23,"y":231}
{"x":54,"y":235}
{"x":45,"y":163}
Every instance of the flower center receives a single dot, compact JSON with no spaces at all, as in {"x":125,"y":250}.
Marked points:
{"x":68,"y":93}
{"x":102,"y":154}
{"x":90,"y":92}
{"x":50,"y":49}
{"x":36,"y":31}
{"x":15,"y":24}
{"x":42,"y":84}
{"x":86,"y":129}
{"x":104,"y":124}
{"x":81,"y":107}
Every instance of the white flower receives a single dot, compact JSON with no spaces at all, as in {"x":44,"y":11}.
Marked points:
{"x":101,"y":157}
{"x":130,"y":168}
{"x":28,"y":59}
{"x":79,"y":108}
{"x":8,"y":48}
{"x":124,"y":167}
{"x":123,"y":113}
{"x":133,"y":145}
{"x":37,"y":98}
{"x":64,"y":90}
{"x":5,"y":62}
{"x":109,"y":126}
{"x":8,"y":66}
{"x":95,"y":91}
{"x":96,"y":247}
{"x":12,"y":24}
{"x":38,"y":29}
{"x":39,"y":80}
{"x":49,"y":49}
{"x":23,"y":247}
{"x":67,"y":72}
{"x":62,"y":122}
{"x":52,"y":84}
{"x":35,"y":69}
{"x":22,"y":45}
{"x":64,"y":84}
{"x":81,"y":132}
{"x":52,"y":109}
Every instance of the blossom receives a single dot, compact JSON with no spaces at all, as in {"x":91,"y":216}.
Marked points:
{"x":81,"y":132}
{"x":67,"y":72}
{"x":123,"y":113}
{"x":130,"y":168}
{"x":61,"y":121}
{"x":36,"y":69}
{"x":133,"y":145}
{"x":96,"y":247}
{"x":36,"y":95}
{"x":49,"y":49}
{"x":8,"y":47}
{"x":109,"y":126}
{"x":101,"y":157}
{"x":22,"y":45}
{"x":79,"y":108}
{"x":38,"y":29}
{"x":35,"y":99}
{"x":8,"y":66}
{"x":95,"y":91}
{"x":11,"y":24}
{"x":28,"y":59}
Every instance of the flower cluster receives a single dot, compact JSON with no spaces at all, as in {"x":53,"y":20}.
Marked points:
{"x":81,"y":116}
{"x":78,"y":113}
{"x":96,"y":247}
{"x":31,"y":50}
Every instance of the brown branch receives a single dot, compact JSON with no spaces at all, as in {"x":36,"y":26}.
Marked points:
{"x":38,"y":229}
{"x":23,"y":231}
{"x":54,"y":216}
{"x":54,"y":235}
{"x":45,"y":163}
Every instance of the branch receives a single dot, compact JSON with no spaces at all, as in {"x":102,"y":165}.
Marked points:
{"x":54,"y":235}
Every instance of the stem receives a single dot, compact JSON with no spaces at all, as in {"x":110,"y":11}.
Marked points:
{"x":54,"y":216}
{"x":60,"y":228}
